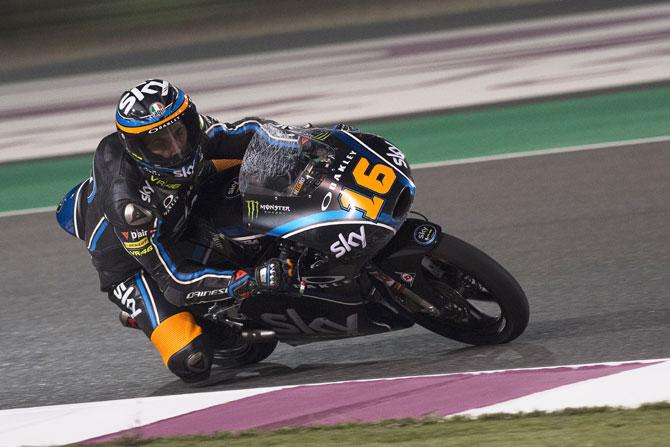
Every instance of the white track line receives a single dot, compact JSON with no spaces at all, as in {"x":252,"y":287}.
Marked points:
{"x":533,"y":153}
{"x":44,"y":209}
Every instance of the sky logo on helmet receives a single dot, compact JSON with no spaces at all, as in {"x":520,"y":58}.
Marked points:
{"x":137,"y":94}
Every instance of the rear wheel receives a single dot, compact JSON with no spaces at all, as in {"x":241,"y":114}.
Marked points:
{"x":230,"y":349}
{"x":241,"y":352}
{"x":479,"y":301}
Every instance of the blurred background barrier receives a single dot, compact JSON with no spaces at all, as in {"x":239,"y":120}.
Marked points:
{"x":42,"y":31}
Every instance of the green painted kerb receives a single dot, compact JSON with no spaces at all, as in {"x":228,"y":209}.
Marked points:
{"x":41,"y":183}
{"x":558,"y":123}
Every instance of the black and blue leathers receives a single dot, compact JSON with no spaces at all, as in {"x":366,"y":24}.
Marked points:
{"x":133,"y":222}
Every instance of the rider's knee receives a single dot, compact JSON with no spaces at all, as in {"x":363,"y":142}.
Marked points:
{"x":193,"y":362}
{"x":180,"y":343}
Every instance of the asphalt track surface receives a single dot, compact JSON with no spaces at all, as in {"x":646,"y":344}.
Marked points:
{"x":585,"y":233}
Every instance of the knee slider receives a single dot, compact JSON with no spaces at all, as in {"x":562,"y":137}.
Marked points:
{"x":193,"y":362}
{"x":180,"y":343}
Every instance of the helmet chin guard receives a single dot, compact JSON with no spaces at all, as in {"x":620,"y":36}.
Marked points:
{"x":159,"y":127}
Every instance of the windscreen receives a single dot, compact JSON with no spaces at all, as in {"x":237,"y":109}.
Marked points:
{"x":283,"y":162}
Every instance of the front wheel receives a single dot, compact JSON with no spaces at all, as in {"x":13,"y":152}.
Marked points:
{"x":479,"y":301}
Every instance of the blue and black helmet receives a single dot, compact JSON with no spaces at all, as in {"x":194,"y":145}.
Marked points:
{"x":160,"y":129}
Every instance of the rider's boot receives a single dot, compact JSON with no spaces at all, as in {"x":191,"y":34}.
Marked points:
{"x":127,"y":321}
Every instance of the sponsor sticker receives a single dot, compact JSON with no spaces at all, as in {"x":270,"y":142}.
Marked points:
{"x":343,"y":165}
{"x":407,"y":278}
{"x":123,"y":294}
{"x":156,"y":108}
{"x":345,"y":244}
{"x":233,"y":189}
{"x":138,"y":252}
{"x":135,"y":235}
{"x":425,"y":234}
{"x":206,"y":293}
{"x":163,"y":126}
{"x":298,"y":185}
{"x":161,"y":182}
{"x":275,"y":209}
{"x":321,"y":136}
{"x":254,"y":207}
{"x":169,"y":202}
{"x":139,"y":244}
{"x":185,"y":171}
{"x":146,"y":191}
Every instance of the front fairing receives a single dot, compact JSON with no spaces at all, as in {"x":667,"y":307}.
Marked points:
{"x":327,"y":189}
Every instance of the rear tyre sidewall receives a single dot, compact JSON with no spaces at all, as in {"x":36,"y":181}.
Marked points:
{"x":250,"y":353}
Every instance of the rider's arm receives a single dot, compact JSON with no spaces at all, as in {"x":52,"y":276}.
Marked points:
{"x":229,"y":140}
{"x":142,"y":235}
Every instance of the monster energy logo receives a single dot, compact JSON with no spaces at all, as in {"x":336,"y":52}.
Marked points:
{"x":252,"y":209}
{"x":322,"y":136}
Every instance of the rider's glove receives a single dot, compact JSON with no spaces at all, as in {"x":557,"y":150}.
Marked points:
{"x":242,"y":285}
{"x":347,"y":128}
{"x":274,"y":274}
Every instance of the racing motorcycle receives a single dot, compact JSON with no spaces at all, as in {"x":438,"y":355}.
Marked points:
{"x":336,"y":204}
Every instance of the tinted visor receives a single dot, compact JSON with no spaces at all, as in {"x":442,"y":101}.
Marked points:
{"x":166,"y":147}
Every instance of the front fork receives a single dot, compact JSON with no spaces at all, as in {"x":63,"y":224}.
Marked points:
{"x":398,"y":265}
{"x":408,"y":300}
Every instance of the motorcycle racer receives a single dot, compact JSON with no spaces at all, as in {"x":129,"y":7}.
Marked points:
{"x":147,"y":178}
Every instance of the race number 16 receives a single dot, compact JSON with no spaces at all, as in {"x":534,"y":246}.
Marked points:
{"x":378,"y":179}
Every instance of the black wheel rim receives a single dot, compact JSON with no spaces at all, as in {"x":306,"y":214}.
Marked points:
{"x":464,"y":300}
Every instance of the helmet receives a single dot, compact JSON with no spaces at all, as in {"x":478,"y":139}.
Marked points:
{"x":160,"y":129}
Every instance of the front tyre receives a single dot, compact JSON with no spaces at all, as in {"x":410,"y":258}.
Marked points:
{"x":479,"y":301}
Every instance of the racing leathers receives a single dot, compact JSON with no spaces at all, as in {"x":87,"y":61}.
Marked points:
{"x":133,"y":222}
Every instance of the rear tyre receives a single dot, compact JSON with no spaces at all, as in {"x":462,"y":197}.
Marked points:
{"x":480,"y":302}
{"x":242,"y":353}
{"x":230,"y":349}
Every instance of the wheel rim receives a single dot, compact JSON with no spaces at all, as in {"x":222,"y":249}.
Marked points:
{"x":463,"y":300}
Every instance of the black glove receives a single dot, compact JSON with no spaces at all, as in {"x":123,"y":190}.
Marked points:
{"x":274,"y":274}
{"x":347,"y":128}
{"x":242,"y":285}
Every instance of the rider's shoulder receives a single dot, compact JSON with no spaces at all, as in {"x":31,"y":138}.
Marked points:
{"x":112,"y":164}
{"x":120,"y":179}
{"x":110,"y":147}
{"x":111,"y":159}
{"x":125,"y":205}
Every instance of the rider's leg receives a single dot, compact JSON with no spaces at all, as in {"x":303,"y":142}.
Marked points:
{"x":172,"y":330}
